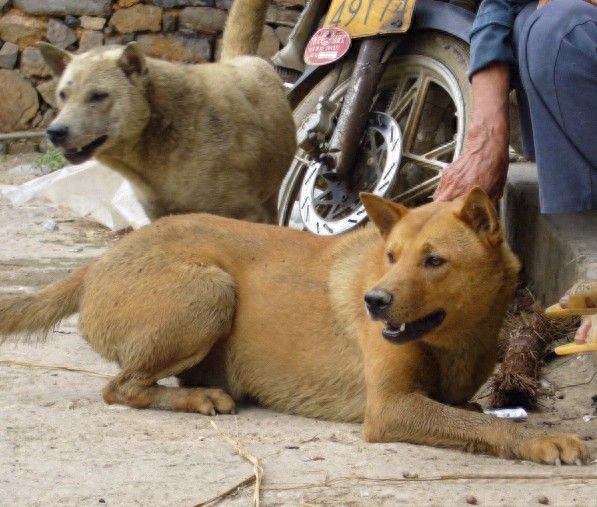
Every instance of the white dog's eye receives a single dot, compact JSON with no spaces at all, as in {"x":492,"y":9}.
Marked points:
{"x":97,"y":96}
{"x":434,"y":261}
{"x":391,"y":258}
{"x":62,"y":96}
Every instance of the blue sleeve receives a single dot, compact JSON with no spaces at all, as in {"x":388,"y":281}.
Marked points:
{"x":492,"y":31}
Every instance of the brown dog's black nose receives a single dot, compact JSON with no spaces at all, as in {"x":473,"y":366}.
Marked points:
{"x":57,"y":133}
{"x":378,"y":301}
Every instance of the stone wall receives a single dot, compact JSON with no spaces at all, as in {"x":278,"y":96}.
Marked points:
{"x":179,"y":30}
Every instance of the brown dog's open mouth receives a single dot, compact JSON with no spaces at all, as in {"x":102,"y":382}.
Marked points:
{"x":408,"y":331}
{"x":78,"y":156}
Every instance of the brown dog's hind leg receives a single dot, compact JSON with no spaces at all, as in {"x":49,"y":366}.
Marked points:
{"x":139,"y":391}
{"x":167,"y":321}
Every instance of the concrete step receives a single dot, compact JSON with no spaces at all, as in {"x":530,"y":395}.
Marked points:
{"x":556,"y":250}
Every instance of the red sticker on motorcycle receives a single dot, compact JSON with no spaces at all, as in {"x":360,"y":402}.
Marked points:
{"x":326,"y":46}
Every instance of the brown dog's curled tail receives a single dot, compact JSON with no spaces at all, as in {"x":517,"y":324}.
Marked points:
{"x":37,"y":313}
{"x":244,"y":28}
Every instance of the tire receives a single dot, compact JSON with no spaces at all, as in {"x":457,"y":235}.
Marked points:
{"x":425,"y":88}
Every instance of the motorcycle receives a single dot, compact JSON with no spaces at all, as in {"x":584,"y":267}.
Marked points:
{"x":382,"y":105}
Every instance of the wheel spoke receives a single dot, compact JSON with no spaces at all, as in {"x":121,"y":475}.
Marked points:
{"x":435,"y":165}
{"x":417,"y":191}
{"x":440,"y":151}
{"x":416,"y":111}
{"x":401,"y":101}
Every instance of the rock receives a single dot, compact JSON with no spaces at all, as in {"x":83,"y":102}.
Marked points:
{"x":4,"y":6}
{"x":21,"y":29}
{"x":217,"y":49}
{"x":92,"y":23}
{"x":176,"y":47}
{"x":168,"y":4}
{"x":19,"y":102}
{"x":48,"y":117}
{"x":283,"y":32}
{"x":59,"y":34}
{"x":37,"y":120}
{"x":128,"y":37}
{"x":203,"y":19}
{"x":33,"y":64}
{"x":139,"y":18}
{"x":224,"y":4}
{"x":269,"y":44}
{"x":90,"y":39}
{"x":65,"y":7}
{"x":47,"y":90}
{"x":169,"y":21}
{"x":113,"y":40}
{"x":8,"y":55}
{"x":279,"y":16}
{"x":72,"y":21}
{"x":123,"y":4}
{"x":22,"y":146}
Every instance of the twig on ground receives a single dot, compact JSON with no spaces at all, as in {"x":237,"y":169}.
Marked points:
{"x":442,"y":478}
{"x":212,"y":501}
{"x":581,"y":383}
{"x":257,"y":470}
{"x":27,"y":364}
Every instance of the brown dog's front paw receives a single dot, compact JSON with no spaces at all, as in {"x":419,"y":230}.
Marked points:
{"x":554,"y":449}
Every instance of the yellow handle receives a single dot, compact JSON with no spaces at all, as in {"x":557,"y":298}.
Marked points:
{"x":557,"y":311}
{"x":575,"y":348}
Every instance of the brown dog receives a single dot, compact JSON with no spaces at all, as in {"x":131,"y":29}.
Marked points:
{"x":213,"y":137}
{"x":277,"y":315}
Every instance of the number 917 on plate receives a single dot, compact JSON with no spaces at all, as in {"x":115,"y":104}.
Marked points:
{"x":365,"y":18}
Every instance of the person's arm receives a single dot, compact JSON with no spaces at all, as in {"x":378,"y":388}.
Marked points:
{"x":484,"y":161}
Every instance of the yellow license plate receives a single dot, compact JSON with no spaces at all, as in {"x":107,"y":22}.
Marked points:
{"x":365,"y":18}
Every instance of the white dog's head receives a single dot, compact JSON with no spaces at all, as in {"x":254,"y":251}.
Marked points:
{"x":101,"y":95}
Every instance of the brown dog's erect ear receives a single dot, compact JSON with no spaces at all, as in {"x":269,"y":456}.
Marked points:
{"x":479,"y":213}
{"x":132,"y":60}
{"x":56,"y":58}
{"x":382,"y":212}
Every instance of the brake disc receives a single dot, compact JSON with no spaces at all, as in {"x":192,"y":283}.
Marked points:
{"x":331,"y":206}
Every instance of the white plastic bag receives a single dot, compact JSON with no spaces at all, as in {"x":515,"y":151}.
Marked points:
{"x":90,"y":190}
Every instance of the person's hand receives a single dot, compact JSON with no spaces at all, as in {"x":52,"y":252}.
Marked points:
{"x":483,"y":163}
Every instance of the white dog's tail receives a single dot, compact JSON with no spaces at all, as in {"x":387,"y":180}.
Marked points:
{"x":244,"y":28}
{"x":37,"y":313}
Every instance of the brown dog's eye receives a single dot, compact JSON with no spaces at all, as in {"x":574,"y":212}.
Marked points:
{"x":97,"y":97}
{"x":391,"y":258}
{"x":434,"y":261}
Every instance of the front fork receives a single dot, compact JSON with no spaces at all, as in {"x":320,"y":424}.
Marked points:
{"x":343,"y":147}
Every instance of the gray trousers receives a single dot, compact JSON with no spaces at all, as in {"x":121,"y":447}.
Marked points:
{"x":556,"y":47}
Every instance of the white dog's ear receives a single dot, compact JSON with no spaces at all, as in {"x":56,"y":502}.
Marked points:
{"x":382,"y":212}
{"x":56,"y":58}
{"x":479,"y":213}
{"x":132,"y":60}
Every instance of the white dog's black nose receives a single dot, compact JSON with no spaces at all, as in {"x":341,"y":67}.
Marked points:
{"x":378,"y":301}
{"x":57,"y":133}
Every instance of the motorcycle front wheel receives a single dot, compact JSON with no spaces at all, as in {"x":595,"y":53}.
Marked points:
{"x":425,"y":89}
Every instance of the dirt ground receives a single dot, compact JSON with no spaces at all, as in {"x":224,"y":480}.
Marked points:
{"x":61,"y":445}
